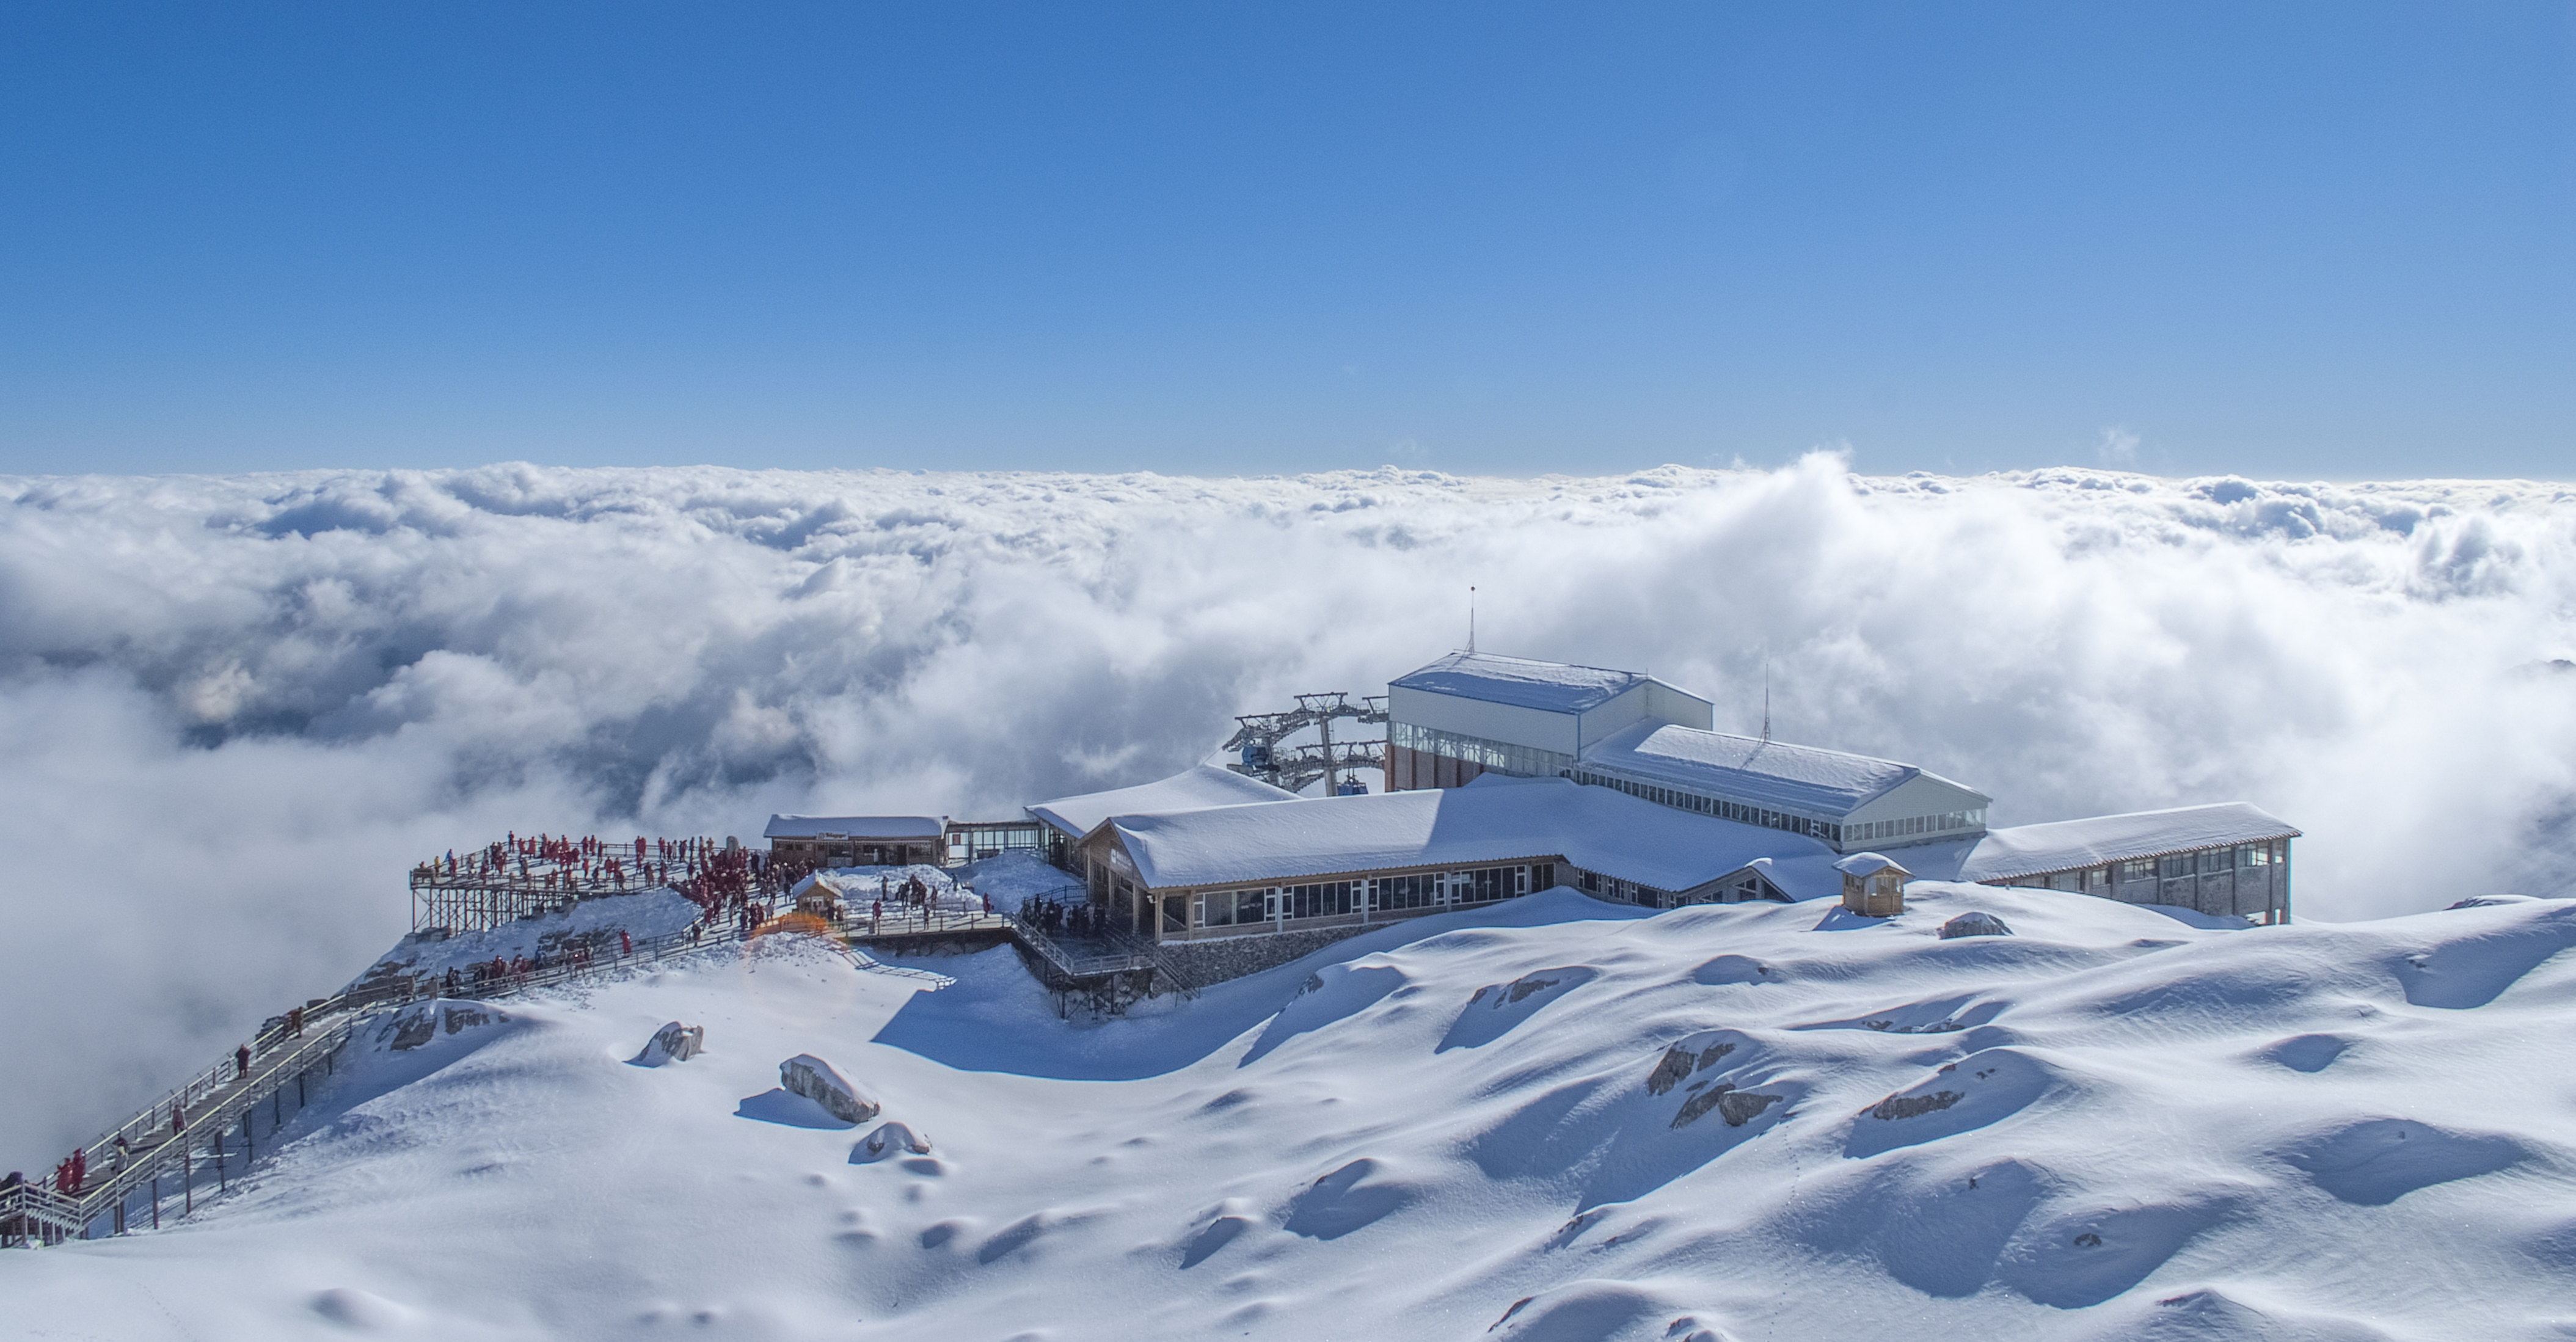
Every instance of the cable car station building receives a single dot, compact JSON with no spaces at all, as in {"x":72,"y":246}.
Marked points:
{"x":1507,"y":776}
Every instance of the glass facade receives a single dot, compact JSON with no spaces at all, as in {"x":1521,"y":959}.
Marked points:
{"x":1497,"y":756}
{"x":1909,"y":826}
{"x":1324,"y":899}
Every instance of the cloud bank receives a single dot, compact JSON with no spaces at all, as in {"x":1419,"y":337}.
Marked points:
{"x":234,"y":710}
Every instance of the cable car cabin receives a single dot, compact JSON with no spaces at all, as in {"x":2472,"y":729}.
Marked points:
{"x":1873,"y":885}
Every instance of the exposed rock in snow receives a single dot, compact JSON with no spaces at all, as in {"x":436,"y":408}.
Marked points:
{"x":1975,"y":923}
{"x":820,"y":1082}
{"x":673,"y":1043}
{"x":890,"y":1139}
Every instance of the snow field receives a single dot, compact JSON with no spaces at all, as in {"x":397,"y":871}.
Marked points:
{"x":1552,"y":1119}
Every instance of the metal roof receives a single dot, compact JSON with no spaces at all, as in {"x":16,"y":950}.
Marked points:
{"x":1493,"y":820}
{"x":1205,"y":785}
{"x":2068,"y":845}
{"x":855,"y":827}
{"x":1802,"y":780}
{"x":1550,"y":687}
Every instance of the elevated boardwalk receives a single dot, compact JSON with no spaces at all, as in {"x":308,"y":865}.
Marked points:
{"x":213,"y":1126}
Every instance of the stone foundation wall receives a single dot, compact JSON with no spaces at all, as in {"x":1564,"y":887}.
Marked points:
{"x":1216,"y":961}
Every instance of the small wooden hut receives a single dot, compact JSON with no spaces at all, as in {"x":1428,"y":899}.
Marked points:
{"x":1873,"y":885}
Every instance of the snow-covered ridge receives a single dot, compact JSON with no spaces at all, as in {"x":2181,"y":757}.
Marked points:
{"x":1550,"y":1119}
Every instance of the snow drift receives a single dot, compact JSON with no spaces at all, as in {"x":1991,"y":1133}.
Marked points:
{"x":1562,"y":1120}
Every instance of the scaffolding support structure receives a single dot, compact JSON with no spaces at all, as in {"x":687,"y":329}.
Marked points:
{"x":521,"y":877}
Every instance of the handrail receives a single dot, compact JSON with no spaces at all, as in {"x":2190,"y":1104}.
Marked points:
{"x":209,"y":1101}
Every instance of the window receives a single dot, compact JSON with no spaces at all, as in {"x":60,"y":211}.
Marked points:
{"x":1408,"y":892}
{"x":1484,"y":884}
{"x":1230,"y":908}
{"x":1315,"y":901}
{"x":2218,"y":859}
{"x":2138,"y":869}
{"x":2177,"y":865}
{"x":1497,"y":756}
{"x":2254,"y":855}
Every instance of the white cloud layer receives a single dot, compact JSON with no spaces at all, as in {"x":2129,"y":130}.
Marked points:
{"x":233,"y":711}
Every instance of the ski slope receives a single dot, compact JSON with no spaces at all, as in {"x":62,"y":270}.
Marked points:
{"x":1552,"y":1119}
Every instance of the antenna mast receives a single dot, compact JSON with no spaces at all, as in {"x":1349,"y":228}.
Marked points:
{"x":1766,"y":698}
{"x":1471,"y":619}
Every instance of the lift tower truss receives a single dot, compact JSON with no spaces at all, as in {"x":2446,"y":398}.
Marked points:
{"x":1257,"y":738}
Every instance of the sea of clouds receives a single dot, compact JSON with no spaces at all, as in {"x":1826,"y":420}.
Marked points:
{"x":234,"y":711}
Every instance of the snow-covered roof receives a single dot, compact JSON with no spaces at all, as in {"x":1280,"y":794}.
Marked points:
{"x":1550,"y":687}
{"x":2064,"y":845}
{"x":1804,"y":780}
{"x":1867,"y":864}
{"x":1205,"y":785}
{"x":855,"y":827}
{"x":1494,"y":820}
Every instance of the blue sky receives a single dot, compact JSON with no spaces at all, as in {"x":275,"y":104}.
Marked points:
{"x":2319,"y":240}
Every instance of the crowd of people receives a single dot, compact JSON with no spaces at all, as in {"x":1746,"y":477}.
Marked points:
{"x":698,"y":867}
{"x":1058,"y":918}
{"x":514,"y":970}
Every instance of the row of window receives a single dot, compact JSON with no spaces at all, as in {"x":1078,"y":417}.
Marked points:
{"x":2257,"y":857}
{"x":1498,"y":756}
{"x":1324,"y":899}
{"x":1906,"y":826}
{"x":1617,"y":891}
{"x":1719,"y":807}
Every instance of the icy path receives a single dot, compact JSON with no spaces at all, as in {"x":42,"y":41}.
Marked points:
{"x":1752,"y":1122}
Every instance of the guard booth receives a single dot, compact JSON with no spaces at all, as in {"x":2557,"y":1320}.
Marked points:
{"x":1873,"y":885}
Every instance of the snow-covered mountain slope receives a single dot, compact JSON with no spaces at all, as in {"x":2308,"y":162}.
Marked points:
{"x":1568,"y":1121}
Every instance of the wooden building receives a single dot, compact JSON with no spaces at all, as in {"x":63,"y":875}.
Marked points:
{"x":858,"y":840}
{"x":1873,"y":885}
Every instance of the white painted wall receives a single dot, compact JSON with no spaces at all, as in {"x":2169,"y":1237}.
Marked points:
{"x":1680,"y":707}
{"x":1563,"y":733}
{"x":1919,"y":795}
{"x":1475,"y":717}
{"x":1650,"y":701}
